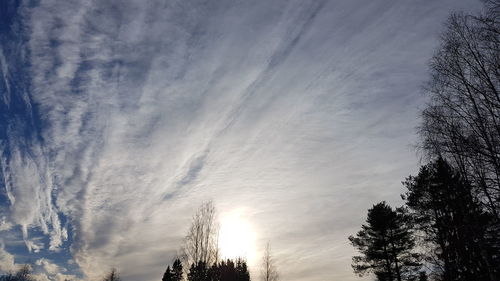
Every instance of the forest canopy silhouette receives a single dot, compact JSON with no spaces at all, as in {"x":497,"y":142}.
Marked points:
{"x":448,"y":229}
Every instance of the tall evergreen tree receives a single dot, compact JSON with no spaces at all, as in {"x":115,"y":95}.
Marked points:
{"x":198,"y":272}
{"x":214,"y":273}
{"x":242,"y":273}
{"x":453,"y":224}
{"x":177,"y":270}
{"x":168,"y":276}
{"x":227,"y":270}
{"x":386,"y":244}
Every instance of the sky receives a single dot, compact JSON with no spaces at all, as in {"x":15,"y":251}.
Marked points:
{"x":119,"y":118}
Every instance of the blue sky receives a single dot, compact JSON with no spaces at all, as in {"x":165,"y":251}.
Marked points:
{"x":119,"y":118}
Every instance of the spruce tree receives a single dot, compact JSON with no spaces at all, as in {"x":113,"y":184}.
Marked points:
{"x":453,"y":224}
{"x":242,"y":273}
{"x":198,"y":272}
{"x":177,"y":271}
{"x":227,"y":270}
{"x":214,"y":273}
{"x":168,"y":276}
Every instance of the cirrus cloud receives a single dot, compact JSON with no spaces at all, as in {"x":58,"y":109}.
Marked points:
{"x":125,"y":115}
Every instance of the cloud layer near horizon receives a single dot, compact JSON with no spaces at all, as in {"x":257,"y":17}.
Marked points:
{"x":299,"y":115}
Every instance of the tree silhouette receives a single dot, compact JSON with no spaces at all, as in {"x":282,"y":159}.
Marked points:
{"x":200,"y":244}
{"x":462,"y":120}
{"x":268,"y":271}
{"x":177,"y":271}
{"x":453,"y":225}
{"x":422,"y":276}
{"x":386,"y":245}
{"x":174,"y":274}
{"x":242,"y":273}
{"x":458,"y":209}
{"x":229,"y":270}
{"x":112,"y":276}
{"x":198,"y":272}
{"x":167,"y":276}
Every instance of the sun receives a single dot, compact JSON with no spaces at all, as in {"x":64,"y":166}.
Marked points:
{"x":236,"y":237}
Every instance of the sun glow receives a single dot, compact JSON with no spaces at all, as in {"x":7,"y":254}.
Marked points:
{"x":236,"y":237}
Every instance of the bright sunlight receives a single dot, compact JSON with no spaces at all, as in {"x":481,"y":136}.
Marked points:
{"x":236,"y":237}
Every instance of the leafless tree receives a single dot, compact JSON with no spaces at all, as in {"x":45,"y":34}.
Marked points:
{"x":269,"y":271}
{"x":112,"y":276}
{"x":200,"y":244}
{"x":462,"y":121}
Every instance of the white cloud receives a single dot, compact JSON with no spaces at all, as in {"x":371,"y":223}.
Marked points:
{"x":6,"y":260}
{"x":5,"y":224}
{"x":65,"y":277}
{"x":41,"y":277}
{"x":52,"y":272}
{"x":48,"y":266}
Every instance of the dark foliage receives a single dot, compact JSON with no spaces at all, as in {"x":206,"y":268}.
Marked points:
{"x":452,"y":223}
{"x":112,"y":276}
{"x":457,"y":202}
{"x":177,"y":270}
{"x":227,"y":270}
{"x":167,"y":276}
{"x":386,"y":245}
{"x":198,"y":272}
{"x":174,"y":274}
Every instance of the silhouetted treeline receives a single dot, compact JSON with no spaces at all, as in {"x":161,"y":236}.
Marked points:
{"x":200,"y":253}
{"x":200,"y":259}
{"x":227,"y":270}
{"x":25,"y":274}
{"x":449,"y":227}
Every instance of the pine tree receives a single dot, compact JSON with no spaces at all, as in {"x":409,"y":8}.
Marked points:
{"x":386,"y":245}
